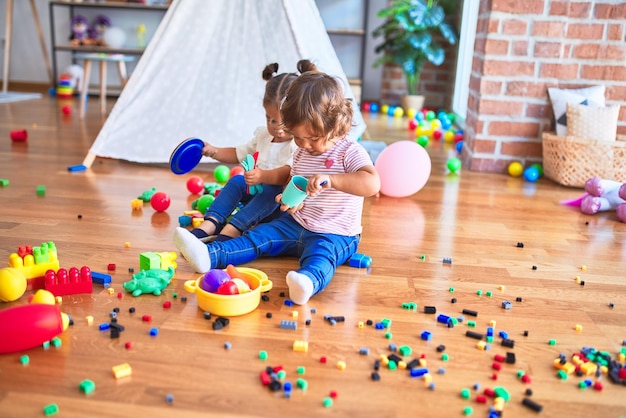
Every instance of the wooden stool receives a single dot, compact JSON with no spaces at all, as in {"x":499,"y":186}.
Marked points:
{"x":103,"y":58}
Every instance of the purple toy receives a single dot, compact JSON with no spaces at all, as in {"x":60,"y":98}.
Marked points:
{"x":80,"y":28}
{"x":213,"y":279}
{"x":96,"y":32}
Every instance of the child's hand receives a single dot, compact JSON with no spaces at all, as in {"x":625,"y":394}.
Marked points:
{"x":253,"y":177}
{"x":208,"y":150}
{"x":286,"y":208}
{"x":317,"y":183}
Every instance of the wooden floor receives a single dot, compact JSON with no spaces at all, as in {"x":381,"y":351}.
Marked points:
{"x":474,"y":219}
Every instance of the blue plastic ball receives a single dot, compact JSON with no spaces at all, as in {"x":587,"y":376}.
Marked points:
{"x":459,"y":146}
{"x":531,"y":174}
{"x":373,"y":107}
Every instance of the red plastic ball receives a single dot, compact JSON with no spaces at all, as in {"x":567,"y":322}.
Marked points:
{"x":195,"y":185}
{"x":458,"y":137}
{"x":412,"y":124}
{"x":437,"y":134}
{"x":66,"y":110}
{"x":236,"y":170}
{"x":160,"y":201}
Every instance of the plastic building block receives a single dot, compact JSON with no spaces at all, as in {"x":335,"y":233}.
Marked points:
{"x":136,"y":204}
{"x":50,"y":409}
{"x":470,"y":312}
{"x":411,"y":306}
{"x":532,"y":405}
{"x":36,"y":261}
{"x":262,"y":355}
{"x":154,"y":332}
{"x":289,"y":325}
{"x":426,"y":335}
{"x":41,"y":190}
{"x":447,"y":260}
{"x":475,"y":335}
{"x":122,"y":370}
{"x":430,"y":310}
{"x":4,"y":182}
{"x":149,"y":260}
{"x":24,"y":360}
{"x":87,"y":386}
{"x":72,"y":282}
{"x":75,"y":168}
{"x":360,"y":261}
{"x":101,"y":279}
{"x":506,"y":305}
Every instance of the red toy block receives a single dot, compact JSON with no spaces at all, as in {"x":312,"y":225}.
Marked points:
{"x":23,"y":251}
{"x":111,"y":267}
{"x":167,"y":304}
{"x":36,"y":283}
{"x":19,"y":135}
{"x":71,"y":282}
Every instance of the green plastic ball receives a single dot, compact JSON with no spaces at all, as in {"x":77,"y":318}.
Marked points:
{"x":454,"y":164}
{"x":430,"y":115}
{"x":423,"y":140}
{"x":539,"y":168}
{"x":204,"y":202}
{"x":221,"y":173}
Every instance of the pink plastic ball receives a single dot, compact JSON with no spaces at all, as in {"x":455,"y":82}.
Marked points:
{"x":66,"y":110}
{"x":236,"y":171}
{"x":195,"y":185}
{"x":160,"y":201}
{"x":213,"y":279}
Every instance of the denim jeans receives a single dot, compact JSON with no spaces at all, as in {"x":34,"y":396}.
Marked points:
{"x":320,"y":254}
{"x":255,"y":207}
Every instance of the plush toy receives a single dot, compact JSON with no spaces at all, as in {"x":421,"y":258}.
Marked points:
{"x":80,"y":30}
{"x":96,"y":32}
{"x":602,"y":195}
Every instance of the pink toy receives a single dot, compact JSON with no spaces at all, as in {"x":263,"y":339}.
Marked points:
{"x":601,"y":196}
{"x":28,"y":326}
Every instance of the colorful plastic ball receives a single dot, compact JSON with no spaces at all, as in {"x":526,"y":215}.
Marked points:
{"x":204,"y":202}
{"x":374,"y":107}
{"x":454,"y":164}
{"x":213,"y":279}
{"x":424,"y":128}
{"x":403,"y":167}
{"x":459,"y":146}
{"x":411,"y":112}
{"x":448,"y":137}
{"x":66,"y":110}
{"x":391,"y":110}
{"x":419,"y":116}
{"x":366,"y":106}
{"x":12,"y":284}
{"x":515,"y":169}
{"x":221,"y":173}
{"x":531,"y":174}
{"x":195,"y":185}
{"x":384,"y":109}
{"x":539,"y":168}
{"x":160,"y":201}
{"x":398,"y":112}
{"x":437,"y":134}
{"x":236,"y":171}
{"x":430,"y":115}
{"x":423,"y":140}
{"x":458,"y":137}
{"x":412,"y":124}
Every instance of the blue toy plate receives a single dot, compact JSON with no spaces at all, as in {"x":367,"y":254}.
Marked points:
{"x":186,"y":155}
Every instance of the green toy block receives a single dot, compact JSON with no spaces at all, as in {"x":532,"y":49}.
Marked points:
{"x":87,"y":386}
{"x":4,"y":182}
{"x":41,"y":190}
{"x":149,"y":260}
{"x":50,"y":409}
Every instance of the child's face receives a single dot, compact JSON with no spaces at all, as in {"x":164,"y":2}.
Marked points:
{"x":274,"y":123}
{"x":312,"y":143}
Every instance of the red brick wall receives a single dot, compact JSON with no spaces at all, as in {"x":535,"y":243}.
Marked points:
{"x":521,"y":49}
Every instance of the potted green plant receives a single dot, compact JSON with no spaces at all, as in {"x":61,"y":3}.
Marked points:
{"x":408,"y":39}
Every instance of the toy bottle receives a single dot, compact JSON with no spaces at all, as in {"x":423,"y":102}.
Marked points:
{"x":28,"y":326}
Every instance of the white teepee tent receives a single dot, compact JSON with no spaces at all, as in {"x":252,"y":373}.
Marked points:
{"x":200,"y":76}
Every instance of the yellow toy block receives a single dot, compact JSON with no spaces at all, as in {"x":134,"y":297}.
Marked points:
{"x":588,"y":368}
{"x":402,"y":364}
{"x":341,"y":365}
{"x":360,"y":325}
{"x":294,"y":314}
{"x":136,"y":204}
{"x":423,"y":362}
{"x":196,"y":222}
{"x":35,"y":265}
{"x":193,"y":213}
{"x":122,"y":370}
{"x":567,"y":367}
{"x":167,"y":260}
{"x":300,"y":346}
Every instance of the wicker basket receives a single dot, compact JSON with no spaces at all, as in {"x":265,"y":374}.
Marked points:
{"x":571,"y":161}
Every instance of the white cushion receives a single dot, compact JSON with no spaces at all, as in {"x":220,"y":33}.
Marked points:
{"x":591,"y":96}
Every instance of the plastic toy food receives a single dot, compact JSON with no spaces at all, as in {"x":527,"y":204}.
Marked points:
{"x":28,"y":326}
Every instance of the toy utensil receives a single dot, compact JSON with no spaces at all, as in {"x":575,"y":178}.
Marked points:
{"x":186,"y":155}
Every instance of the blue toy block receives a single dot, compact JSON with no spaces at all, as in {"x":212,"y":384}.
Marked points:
{"x":184,"y":220}
{"x":78,"y":167}
{"x":360,"y":261}
{"x":290,"y":325}
{"x":101,"y":278}
{"x":426,"y":336}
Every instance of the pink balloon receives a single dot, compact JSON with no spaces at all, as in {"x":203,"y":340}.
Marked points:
{"x":403,"y":167}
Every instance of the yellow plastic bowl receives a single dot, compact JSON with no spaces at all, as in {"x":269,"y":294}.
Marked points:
{"x":232,"y":305}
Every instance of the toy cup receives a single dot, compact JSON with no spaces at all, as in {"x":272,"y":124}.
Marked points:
{"x":295,"y":192}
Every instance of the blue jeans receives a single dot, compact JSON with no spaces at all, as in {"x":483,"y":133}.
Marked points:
{"x":256,"y":207}
{"x":320,"y":254}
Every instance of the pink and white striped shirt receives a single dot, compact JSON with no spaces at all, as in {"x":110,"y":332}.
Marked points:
{"x":331,"y":211}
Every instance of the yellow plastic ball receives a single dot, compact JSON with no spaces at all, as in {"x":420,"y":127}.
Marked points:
{"x":384,"y":109}
{"x":12,"y":284}
{"x":44,"y":297}
{"x":516,"y":169}
{"x":398,"y":112}
{"x":448,"y":137}
{"x":411,"y":112}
